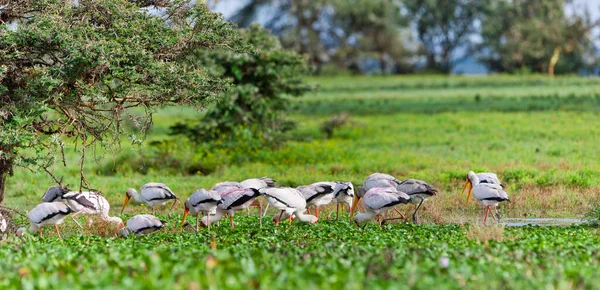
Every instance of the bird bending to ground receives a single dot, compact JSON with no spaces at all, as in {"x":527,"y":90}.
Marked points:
{"x":201,"y":201}
{"x":484,"y":177}
{"x":419,"y":191}
{"x":380,"y":180}
{"x":377,"y":201}
{"x":489,"y":194}
{"x":289,"y":201}
{"x":317,"y":194}
{"x":90,"y":203}
{"x":46,"y":213}
{"x":151,"y":194}
{"x":344,"y":196}
{"x":232,"y":201}
{"x":142,"y":224}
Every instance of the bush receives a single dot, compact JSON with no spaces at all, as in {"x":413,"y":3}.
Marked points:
{"x":264,"y":82}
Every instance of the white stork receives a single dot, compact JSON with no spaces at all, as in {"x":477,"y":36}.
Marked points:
{"x":377,"y":201}
{"x":380,"y":180}
{"x":419,"y":191}
{"x":317,"y":194}
{"x":289,"y":201}
{"x":232,"y":201}
{"x":46,"y":213}
{"x":90,"y":203}
{"x":489,"y":194}
{"x":201,"y":201}
{"x":344,"y":196}
{"x":142,"y":224}
{"x":484,"y":177}
{"x":151,"y":194}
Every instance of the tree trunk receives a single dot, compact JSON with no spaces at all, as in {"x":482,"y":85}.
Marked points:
{"x":382,"y":63}
{"x":553,"y":61}
{"x":6,"y":169}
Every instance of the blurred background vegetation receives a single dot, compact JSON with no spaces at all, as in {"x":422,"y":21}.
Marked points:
{"x":430,"y":36}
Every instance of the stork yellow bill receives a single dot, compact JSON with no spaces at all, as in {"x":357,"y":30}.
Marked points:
{"x":470,"y":185}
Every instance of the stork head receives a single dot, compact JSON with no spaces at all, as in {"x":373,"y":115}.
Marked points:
{"x":360,"y":192}
{"x":469,"y":183}
{"x":20,"y":232}
{"x":186,"y":211}
{"x":128,"y":194}
{"x":124,"y":232}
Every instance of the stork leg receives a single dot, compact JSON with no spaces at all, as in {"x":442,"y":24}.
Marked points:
{"x":308,"y":209}
{"x":493,"y":215}
{"x":279,"y":219}
{"x":41,"y":236}
{"x":231,"y":219}
{"x":487,"y":212}
{"x":498,"y":215}
{"x":73,"y":218}
{"x":266,"y":209}
{"x":379,"y":219}
{"x":57,"y":232}
{"x":208,"y":220}
{"x":197,"y":215}
{"x":172,"y":206}
{"x":247,"y":211}
{"x":401,"y":215}
{"x":416,"y":213}
{"x":290,"y":219}
{"x":260,"y":213}
{"x":317,"y":211}
{"x":152,"y":210}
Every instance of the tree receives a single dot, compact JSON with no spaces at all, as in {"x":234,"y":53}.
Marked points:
{"x":263,"y":83}
{"x":533,"y":35}
{"x":372,"y":28}
{"x":70,"y":71}
{"x":443,"y":26}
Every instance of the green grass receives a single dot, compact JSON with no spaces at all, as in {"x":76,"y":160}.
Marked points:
{"x":539,"y":134}
{"x":328,"y":255}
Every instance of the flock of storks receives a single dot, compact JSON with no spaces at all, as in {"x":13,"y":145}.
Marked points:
{"x":379,"y":193}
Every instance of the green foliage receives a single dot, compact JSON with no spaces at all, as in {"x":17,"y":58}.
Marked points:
{"x":74,"y":70}
{"x":330,"y":254}
{"x":265,"y":81}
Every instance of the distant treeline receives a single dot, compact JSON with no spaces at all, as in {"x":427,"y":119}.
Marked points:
{"x":408,"y":36}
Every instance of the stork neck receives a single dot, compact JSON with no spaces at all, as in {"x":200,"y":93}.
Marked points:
{"x":304,"y":217}
{"x":363,"y":217}
{"x":474,"y":179}
{"x":135,"y":195}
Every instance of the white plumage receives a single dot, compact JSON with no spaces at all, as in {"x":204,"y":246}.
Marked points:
{"x":47,"y":213}
{"x":232,"y":201}
{"x":201,"y":201}
{"x":318,"y":194}
{"x":289,"y":201}
{"x":142,"y":224}
{"x":344,"y":196}
{"x":224,"y":186}
{"x":90,"y":203}
{"x":377,"y":201}
{"x":380,"y":180}
{"x":151,"y":194}
{"x":489,"y":194}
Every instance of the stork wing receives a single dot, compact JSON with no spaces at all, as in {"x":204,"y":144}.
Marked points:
{"x":488,"y":177}
{"x":380,"y":180}
{"x":48,"y":210}
{"x":287,"y":195}
{"x":415,"y":186}
{"x":487,"y":191}
{"x":202,"y":196}
{"x":378,"y":198}
{"x":54,"y":193}
{"x":157,"y":191}
{"x":315,"y":190}
{"x":237,"y":197}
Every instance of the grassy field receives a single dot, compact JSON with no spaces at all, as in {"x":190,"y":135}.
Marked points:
{"x":539,"y":134}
